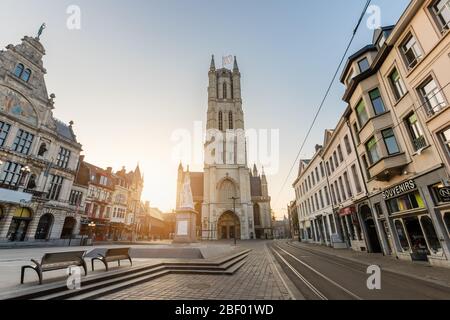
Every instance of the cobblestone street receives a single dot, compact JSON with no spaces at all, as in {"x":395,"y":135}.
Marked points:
{"x":258,"y":279}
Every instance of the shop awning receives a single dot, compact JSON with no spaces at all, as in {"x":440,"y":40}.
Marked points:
{"x":347,"y":211}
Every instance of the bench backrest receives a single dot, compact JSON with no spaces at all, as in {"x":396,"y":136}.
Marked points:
{"x":59,"y":257}
{"x":117,"y":252}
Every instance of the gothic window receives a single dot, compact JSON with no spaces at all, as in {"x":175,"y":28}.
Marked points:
{"x":220,"y":121}
{"x":227,"y":191}
{"x":230,"y":121}
{"x":256,"y":215}
{"x":19,"y":69}
{"x":224,"y":91}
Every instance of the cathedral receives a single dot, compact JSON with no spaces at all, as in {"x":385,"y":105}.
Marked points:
{"x":231,"y":200}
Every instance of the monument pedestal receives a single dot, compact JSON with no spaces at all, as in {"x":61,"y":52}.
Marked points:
{"x":186,"y":226}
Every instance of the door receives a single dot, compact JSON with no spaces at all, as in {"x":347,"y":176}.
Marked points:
{"x":418,"y":243}
{"x":372,"y":235}
{"x":18,"y":229}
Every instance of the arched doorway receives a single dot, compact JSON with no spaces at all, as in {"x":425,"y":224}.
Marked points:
{"x":229,"y":226}
{"x":68,"y":227}
{"x":44,"y":226}
{"x":372,"y":236}
{"x":19,"y":224}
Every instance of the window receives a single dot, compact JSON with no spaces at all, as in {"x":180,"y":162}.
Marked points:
{"x":441,"y":11}
{"x":317,"y":175}
{"x":322,"y":171}
{"x":377,"y":101}
{"x":317,"y":201}
{"x":390,"y":141}
{"x":341,"y":186}
{"x":398,"y":87}
{"x":55,"y":187}
{"x":338,"y":194}
{"x":432,"y":96}
{"x":347,"y":185}
{"x":361,"y":113}
{"x":11,"y":174}
{"x":411,"y":51}
{"x":445,"y":138}
{"x":331,"y":164}
{"x":220,"y":121}
{"x":333,"y":195}
{"x":327,"y":195}
{"x":356,"y":131}
{"x":19,"y":69}
{"x":224,"y":91}
{"x":26,"y":75}
{"x":356,"y":179}
{"x":415,"y":132}
{"x":63,"y":158}
{"x":230,"y":120}
{"x":348,"y":147}
{"x":372,"y":150}
{"x":363,"y":65}
{"x":401,"y":235}
{"x":328,"y":168}
{"x":366,"y":166}
{"x":321,"y":198}
{"x":23,"y":142}
{"x":4,"y":130}
{"x":336,"y":162}
{"x":75,"y":198}
{"x":313,"y":179}
{"x":406,"y":202}
{"x":430,"y":233}
{"x":341,"y":156}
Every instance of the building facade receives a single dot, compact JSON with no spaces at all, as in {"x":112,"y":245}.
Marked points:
{"x":398,"y":117}
{"x":232,"y":201}
{"x":38,"y":153}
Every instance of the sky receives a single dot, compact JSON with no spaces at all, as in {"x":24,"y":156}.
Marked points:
{"x":137,"y":71}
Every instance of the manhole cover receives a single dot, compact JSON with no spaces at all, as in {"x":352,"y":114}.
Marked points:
{"x":198,"y":286}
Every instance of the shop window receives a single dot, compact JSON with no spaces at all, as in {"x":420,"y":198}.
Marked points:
{"x":447,"y":221}
{"x":401,"y":235}
{"x":406,"y":202}
{"x":430,"y":233}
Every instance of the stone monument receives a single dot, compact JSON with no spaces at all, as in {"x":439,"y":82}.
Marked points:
{"x":186,"y":216}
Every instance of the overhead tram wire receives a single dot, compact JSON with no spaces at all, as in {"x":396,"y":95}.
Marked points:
{"x":325,"y":97}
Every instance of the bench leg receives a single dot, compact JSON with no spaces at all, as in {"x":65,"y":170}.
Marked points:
{"x":131,"y":262}
{"x":118,"y":262}
{"x":84,"y":267}
{"x":22,"y":273}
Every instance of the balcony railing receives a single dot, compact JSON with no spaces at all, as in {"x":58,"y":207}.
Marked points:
{"x":419,"y":143}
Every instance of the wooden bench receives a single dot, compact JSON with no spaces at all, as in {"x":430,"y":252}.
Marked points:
{"x":112,"y":255}
{"x":56,"y":261}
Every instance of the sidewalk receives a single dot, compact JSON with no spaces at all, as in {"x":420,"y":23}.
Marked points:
{"x":415,"y":270}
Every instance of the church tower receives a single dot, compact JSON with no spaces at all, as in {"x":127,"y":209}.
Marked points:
{"x":227,"y":210}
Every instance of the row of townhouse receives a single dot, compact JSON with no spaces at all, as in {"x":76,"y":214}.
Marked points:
{"x":47,"y":191}
{"x":380,"y":182}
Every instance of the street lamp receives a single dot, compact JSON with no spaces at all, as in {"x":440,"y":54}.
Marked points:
{"x":24,"y":172}
{"x":91,"y":227}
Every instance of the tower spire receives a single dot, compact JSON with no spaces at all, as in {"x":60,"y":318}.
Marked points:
{"x":235,"y":67}
{"x":213,"y":64}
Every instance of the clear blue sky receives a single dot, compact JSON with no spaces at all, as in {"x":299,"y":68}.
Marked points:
{"x":137,"y":71}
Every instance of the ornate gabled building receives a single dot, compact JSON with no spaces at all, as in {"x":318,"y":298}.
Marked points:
{"x":38,"y":154}
{"x":231,"y":201}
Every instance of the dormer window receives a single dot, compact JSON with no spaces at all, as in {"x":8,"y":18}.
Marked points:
{"x":22,"y":73}
{"x":411,"y":51}
{"x":363,"y":65}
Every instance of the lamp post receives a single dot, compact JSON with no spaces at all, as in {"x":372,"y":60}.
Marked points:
{"x":234,"y":211}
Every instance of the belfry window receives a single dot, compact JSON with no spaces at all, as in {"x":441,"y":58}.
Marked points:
{"x":230,"y":121}
{"x":224,"y":91}
{"x":220,"y":121}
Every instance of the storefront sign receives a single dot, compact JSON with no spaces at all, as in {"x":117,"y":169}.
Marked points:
{"x":347,"y":211}
{"x":444,"y":194}
{"x":400,"y":189}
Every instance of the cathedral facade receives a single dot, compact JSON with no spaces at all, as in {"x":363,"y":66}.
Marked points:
{"x":231,"y":200}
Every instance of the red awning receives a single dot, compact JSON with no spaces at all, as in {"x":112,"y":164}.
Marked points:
{"x":347,"y":211}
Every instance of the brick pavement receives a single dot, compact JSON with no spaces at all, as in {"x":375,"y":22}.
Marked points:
{"x":258,"y":279}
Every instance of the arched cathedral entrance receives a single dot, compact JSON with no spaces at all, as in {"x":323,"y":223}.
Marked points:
{"x":229,"y":226}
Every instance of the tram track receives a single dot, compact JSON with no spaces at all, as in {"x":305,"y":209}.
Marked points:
{"x":307,"y":278}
